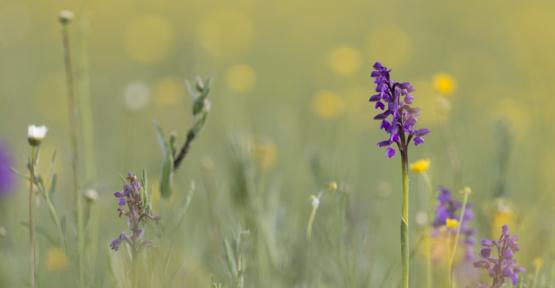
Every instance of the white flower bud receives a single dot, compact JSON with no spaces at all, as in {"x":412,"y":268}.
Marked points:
{"x":35,"y":134}
{"x":65,"y":16}
{"x":91,"y":195}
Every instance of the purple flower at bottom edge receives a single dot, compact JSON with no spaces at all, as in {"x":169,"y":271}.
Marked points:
{"x":7,"y":178}
{"x":397,"y":117}
{"x":504,"y":265}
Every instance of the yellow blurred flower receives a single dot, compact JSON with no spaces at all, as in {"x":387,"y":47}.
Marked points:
{"x":503,"y":216}
{"x":241,"y":78}
{"x":445,"y":84}
{"x":265,"y":153}
{"x":225,"y":33}
{"x":327,"y":104}
{"x":451,"y":223}
{"x":420,"y":166}
{"x":148,"y":39}
{"x":441,"y":245}
{"x":56,"y":260}
{"x":538,"y":263}
{"x":332,"y":186}
{"x":167,"y":91}
{"x":344,"y":60}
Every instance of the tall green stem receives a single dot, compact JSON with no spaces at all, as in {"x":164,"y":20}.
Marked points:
{"x":73,"y":121}
{"x":405,"y":257}
{"x":31,"y":167}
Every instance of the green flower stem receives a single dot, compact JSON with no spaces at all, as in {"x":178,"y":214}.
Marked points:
{"x":73,"y":121}
{"x":31,"y":166}
{"x":405,"y":257}
{"x":466,"y":192}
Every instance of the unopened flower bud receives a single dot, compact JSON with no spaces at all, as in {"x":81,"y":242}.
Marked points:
{"x":65,"y":16}
{"x":91,"y":195}
{"x":35,"y":134}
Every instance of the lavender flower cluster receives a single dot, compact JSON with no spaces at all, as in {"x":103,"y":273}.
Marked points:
{"x":132,"y":204}
{"x":6,"y":176}
{"x":398,"y":117}
{"x":449,"y":208}
{"x":504,"y":266}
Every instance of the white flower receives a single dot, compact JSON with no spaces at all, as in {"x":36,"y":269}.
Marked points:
{"x":91,"y":195}
{"x":315,"y":201}
{"x":35,"y":134}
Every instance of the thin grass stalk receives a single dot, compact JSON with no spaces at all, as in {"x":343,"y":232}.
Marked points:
{"x":73,"y":122}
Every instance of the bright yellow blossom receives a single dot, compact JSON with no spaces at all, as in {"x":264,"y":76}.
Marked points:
{"x":420,"y":166}
{"x":332,"y":186}
{"x":445,"y":84}
{"x":452,"y":223}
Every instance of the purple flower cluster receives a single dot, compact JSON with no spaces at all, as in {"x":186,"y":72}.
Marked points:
{"x":132,"y":205}
{"x":398,"y":117}
{"x":449,"y":208}
{"x":504,"y":266}
{"x":6,"y":175}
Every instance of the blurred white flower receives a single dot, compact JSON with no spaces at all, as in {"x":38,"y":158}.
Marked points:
{"x":35,"y":134}
{"x":421,"y":218}
{"x":91,"y":195}
{"x":315,"y":201}
{"x":136,"y":96}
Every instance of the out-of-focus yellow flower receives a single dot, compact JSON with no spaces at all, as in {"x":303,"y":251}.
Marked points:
{"x":451,"y":223}
{"x":56,"y":260}
{"x":344,"y":60}
{"x":398,"y":48}
{"x":503,"y":216}
{"x":241,"y":78}
{"x":225,"y":33}
{"x":420,"y":166}
{"x":332,"y":186}
{"x":265,"y":153}
{"x":327,"y":104}
{"x":441,"y":245}
{"x":538,"y":263}
{"x":167,"y":92}
{"x":445,"y":84}
{"x":148,"y":39}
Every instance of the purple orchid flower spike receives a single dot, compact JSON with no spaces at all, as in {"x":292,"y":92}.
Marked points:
{"x":504,"y":265}
{"x":398,"y":118}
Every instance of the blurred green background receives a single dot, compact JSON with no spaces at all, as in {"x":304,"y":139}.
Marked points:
{"x":292,"y":79}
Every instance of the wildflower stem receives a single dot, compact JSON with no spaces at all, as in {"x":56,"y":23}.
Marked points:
{"x":73,"y":122}
{"x":184,"y":149}
{"x":31,"y":166}
{"x":405,"y":258}
{"x":466,"y":192}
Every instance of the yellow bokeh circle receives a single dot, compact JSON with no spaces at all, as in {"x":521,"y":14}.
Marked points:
{"x":148,"y":39}
{"x":344,"y":60}
{"x":241,"y":78}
